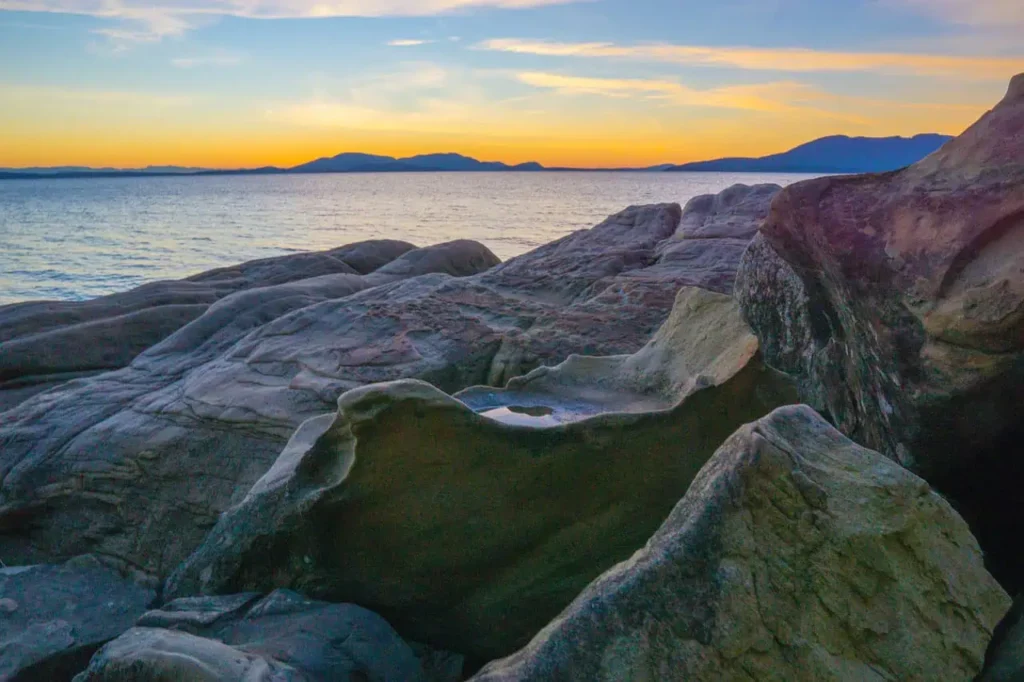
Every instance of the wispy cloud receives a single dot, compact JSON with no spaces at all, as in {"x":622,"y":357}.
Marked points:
{"x":981,"y":13}
{"x":772,"y":59}
{"x":153,"y":21}
{"x":408,"y":43}
{"x":776,"y":97}
{"x":13,"y":93}
{"x":216,"y":59}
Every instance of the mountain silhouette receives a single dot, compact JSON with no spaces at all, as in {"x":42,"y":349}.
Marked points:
{"x":835,"y":154}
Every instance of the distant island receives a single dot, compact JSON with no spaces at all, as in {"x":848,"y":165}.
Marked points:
{"x":834,"y":154}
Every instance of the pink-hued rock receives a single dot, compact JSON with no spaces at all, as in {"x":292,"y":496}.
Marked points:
{"x":897,"y":300}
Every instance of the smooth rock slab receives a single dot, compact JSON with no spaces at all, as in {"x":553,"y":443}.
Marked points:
{"x":245,"y":638}
{"x":795,"y":555}
{"x":53,"y":618}
{"x":45,"y":343}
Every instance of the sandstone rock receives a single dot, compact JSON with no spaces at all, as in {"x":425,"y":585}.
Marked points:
{"x":53,"y":618}
{"x":243,"y":638}
{"x":795,"y":555}
{"x":470,"y":532}
{"x":703,"y":342}
{"x":138,"y":463}
{"x":907,"y":324}
{"x":44,"y":343}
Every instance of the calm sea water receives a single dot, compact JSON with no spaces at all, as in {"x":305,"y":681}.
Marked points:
{"x":76,"y":239}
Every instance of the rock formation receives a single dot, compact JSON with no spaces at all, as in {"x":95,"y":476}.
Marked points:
{"x":281,"y":637}
{"x":902,"y":314}
{"x":795,"y":555}
{"x":470,"y":532}
{"x":137,"y":463}
{"x":53,"y":618}
{"x":45,"y":343}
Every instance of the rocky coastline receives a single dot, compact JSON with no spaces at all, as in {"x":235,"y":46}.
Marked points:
{"x":773,"y":434}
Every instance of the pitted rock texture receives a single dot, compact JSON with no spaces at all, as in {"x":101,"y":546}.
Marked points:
{"x":795,"y":555}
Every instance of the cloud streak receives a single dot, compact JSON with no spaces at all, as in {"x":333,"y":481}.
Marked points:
{"x":797,"y":60}
{"x":408,"y":43}
{"x":151,"y":21}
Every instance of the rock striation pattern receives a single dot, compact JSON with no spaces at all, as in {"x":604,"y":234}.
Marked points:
{"x":138,"y":463}
{"x":45,"y":343}
{"x":795,"y":555}
{"x":897,"y":301}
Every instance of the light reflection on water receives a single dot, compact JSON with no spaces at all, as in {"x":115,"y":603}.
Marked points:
{"x":79,"y":238}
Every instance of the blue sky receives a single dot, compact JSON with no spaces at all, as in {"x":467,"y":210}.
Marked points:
{"x":594,"y":82}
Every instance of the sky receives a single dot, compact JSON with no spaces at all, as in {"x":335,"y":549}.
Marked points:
{"x":586,"y":83}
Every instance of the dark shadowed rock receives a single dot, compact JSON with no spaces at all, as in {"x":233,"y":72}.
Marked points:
{"x":243,"y":638}
{"x":898,"y":302}
{"x":1004,"y":661}
{"x":470,"y":531}
{"x":138,"y":463}
{"x":795,"y":555}
{"x":53,"y":618}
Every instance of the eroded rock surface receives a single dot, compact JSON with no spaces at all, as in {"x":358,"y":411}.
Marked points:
{"x":795,"y":555}
{"x":468,"y":532}
{"x":45,"y":343}
{"x":703,"y":342}
{"x":53,"y":618}
{"x":246,"y":638}
{"x":138,"y":463}
{"x":902,"y":315}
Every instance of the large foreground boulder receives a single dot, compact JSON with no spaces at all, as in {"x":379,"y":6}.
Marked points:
{"x":45,"y":343}
{"x":138,"y":463}
{"x":795,"y":555}
{"x":282,"y":637}
{"x":470,"y":531}
{"x":53,"y":618}
{"x":897,"y":301}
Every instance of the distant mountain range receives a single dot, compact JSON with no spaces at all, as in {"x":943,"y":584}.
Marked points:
{"x":370,"y":163}
{"x":835,"y":154}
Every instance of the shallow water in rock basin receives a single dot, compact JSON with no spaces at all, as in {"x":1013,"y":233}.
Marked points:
{"x":79,"y":238}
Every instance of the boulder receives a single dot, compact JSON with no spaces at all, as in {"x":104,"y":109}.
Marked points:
{"x":897,"y":301}
{"x":245,"y":638}
{"x":53,"y":618}
{"x":45,"y":343}
{"x":795,"y":555}
{"x":469,"y":531}
{"x":138,"y":463}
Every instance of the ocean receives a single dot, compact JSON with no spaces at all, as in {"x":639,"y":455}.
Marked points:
{"x":74,"y":239}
